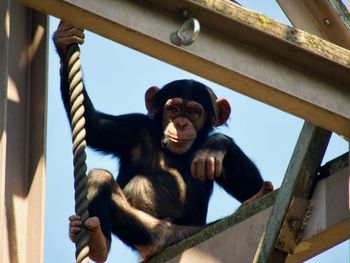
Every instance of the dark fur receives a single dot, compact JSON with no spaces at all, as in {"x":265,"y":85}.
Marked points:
{"x":153,"y":179}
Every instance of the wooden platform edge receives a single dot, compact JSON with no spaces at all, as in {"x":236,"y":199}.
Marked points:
{"x":240,"y":215}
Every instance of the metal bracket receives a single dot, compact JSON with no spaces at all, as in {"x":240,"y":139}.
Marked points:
{"x":293,"y":224}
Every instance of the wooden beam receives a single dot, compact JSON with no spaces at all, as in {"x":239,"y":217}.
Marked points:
{"x":252,"y":54}
{"x":4,"y":66}
{"x":37,"y":52}
{"x":298,"y":182}
{"x":224,"y":247}
{"x":244,"y":216}
{"x":329,"y":221}
{"x":328,"y":19}
{"x":23,"y":59}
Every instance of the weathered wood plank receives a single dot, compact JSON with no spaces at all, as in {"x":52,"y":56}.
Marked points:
{"x":236,"y":244}
{"x":4,"y":67}
{"x":329,"y":223}
{"x":239,"y":216}
{"x":275,"y":28}
{"x":252,"y":54}
{"x":298,"y":181}
{"x":328,"y":19}
{"x":23,"y":78}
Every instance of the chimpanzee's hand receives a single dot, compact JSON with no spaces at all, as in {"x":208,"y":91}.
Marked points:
{"x":66,"y":35}
{"x":74,"y":227}
{"x":207,"y":164}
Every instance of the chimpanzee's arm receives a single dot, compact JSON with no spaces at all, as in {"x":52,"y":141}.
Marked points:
{"x":240,"y":177}
{"x":106,"y":133}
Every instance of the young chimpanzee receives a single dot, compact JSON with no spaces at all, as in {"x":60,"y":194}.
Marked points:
{"x":168,"y":162}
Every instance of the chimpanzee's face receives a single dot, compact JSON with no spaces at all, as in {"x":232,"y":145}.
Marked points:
{"x":182,"y":120}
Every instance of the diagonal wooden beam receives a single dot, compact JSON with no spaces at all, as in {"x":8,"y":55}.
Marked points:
{"x":325,"y":18}
{"x":298,"y":181}
{"x":240,"y":49}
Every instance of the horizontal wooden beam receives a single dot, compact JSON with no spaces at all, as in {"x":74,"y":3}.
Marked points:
{"x":240,"y":49}
{"x":325,"y":18}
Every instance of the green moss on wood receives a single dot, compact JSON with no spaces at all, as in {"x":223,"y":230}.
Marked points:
{"x":294,"y":36}
{"x":342,"y":12}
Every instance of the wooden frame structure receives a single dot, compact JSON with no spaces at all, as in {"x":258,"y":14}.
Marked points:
{"x":23,"y":77}
{"x":255,"y":55}
{"x":290,"y":69}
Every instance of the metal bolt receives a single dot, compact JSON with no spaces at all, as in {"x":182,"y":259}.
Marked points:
{"x":295,"y":224}
{"x":327,"y":21}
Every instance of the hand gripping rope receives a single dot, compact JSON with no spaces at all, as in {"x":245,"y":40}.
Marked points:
{"x":77,"y":123}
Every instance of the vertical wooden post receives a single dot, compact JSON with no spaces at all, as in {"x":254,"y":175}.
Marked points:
{"x":4,"y":53}
{"x":23,"y":77}
{"x":298,"y":181}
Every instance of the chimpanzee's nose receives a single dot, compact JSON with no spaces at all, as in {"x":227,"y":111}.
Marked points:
{"x":181,"y":123}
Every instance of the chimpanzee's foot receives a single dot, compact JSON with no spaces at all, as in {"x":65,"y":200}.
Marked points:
{"x":98,"y":243}
{"x":167,"y":235}
{"x":265,"y":189}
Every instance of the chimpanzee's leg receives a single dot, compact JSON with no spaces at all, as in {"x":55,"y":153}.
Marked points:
{"x":98,"y":224}
{"x":139,"y":230}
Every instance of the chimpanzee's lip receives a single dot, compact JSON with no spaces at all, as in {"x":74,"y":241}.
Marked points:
{"x":178,"y":140}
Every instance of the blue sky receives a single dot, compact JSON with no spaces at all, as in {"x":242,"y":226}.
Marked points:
{"x":116,"y":78}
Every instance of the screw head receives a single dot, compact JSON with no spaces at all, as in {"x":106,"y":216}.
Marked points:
{"x":327,"y":21}
{"x":295,"y":224}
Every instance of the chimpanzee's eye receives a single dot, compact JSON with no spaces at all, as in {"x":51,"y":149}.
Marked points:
{"x":173,"y":110}
{"x":194,"y":113}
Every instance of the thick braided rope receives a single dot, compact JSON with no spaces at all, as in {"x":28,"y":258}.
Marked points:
{"x":79,"y":145}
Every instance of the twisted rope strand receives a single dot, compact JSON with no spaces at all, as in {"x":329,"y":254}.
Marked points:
{"x":77,"y":123}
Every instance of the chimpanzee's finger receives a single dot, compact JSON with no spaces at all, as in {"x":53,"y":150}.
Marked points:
{"x":63,"y":25}
{"x":72,"y":237}
{"x":66,"y":41}
{"x":219,"y":162}
{"x":74,"y":218}
{"x":201,"y":168}
{"x":72,"y":32}
{"x":194,"y":169}
{"x":75,"y":224}
{"x":210,"y":163}
{"x":74,"y":230}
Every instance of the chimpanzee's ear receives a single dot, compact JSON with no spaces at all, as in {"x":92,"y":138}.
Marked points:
{"x":149,"y":100}
{"x":223,"y":111}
